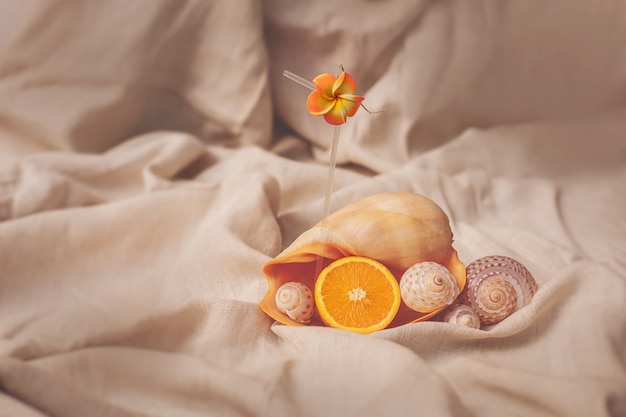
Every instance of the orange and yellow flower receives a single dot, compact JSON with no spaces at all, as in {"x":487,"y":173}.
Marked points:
{"x":334,"y":98}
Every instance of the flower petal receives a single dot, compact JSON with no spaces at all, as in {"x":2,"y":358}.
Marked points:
{"x":325,"y":83}
{"x":351,"y":103}
{"x":336,"y":115}
{"x":317,"y":104}
{"x":345,"y":84}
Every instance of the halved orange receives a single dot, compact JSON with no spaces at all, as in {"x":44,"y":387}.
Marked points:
{"x":358,"y":294}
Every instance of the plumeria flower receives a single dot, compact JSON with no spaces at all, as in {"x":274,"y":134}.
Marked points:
{"x":334,"y":98}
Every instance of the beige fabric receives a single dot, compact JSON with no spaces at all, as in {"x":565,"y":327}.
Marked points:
{"x":87,"y":76}
{"x":142,"y":189}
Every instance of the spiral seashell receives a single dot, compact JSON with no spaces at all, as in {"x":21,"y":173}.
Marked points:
{"x":496,"y":287}
{"x":463,"y":315}
{"x":296,"y":300}
{"x":428,"y":286}
{"x":397,"y":229}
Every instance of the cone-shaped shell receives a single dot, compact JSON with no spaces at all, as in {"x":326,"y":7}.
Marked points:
{"x":396,"y":229}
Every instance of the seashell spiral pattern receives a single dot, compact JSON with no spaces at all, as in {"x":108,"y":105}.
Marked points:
{"x":427,"y":286}
{"x":496,"y":287}
{"x":296,"y":300}
{"x":463,"y":315}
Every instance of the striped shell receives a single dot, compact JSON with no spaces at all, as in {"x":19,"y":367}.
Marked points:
{"x":496,"y":287}
{"x":463,"y":315}
{"x":428,"y":286}
{"x":397,"y":229}
{"x":295,"y":300}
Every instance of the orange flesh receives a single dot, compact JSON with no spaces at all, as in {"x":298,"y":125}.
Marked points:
{"x":358,"y":294}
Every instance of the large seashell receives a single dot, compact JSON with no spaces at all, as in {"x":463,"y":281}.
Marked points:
{"x":496,"y":287}
{"x":296,"y":300}
{"x":428,"y":286}
{"x":463,"y":315}
{"x":396,"y":229}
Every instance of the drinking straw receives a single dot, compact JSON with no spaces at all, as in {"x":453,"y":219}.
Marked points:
{"x":302,"y":81}
{"x":333,"y":150}
{"x":333,"y":158}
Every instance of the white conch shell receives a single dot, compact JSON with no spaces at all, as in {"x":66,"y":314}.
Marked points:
{"x":428,"y":286}
{"x":463,"y":315}
{"x":296,"y":300}
{"x":397,"y":229}
{"x":496,"y":287}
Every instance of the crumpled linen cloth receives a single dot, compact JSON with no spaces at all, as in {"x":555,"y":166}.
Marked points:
{"x":152,"y":158}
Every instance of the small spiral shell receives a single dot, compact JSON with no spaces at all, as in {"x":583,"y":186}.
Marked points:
{"x":427,"y":286}
{"x":463,"y":315}
{"x":496,"y":287}
{"x":296,"y":300}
